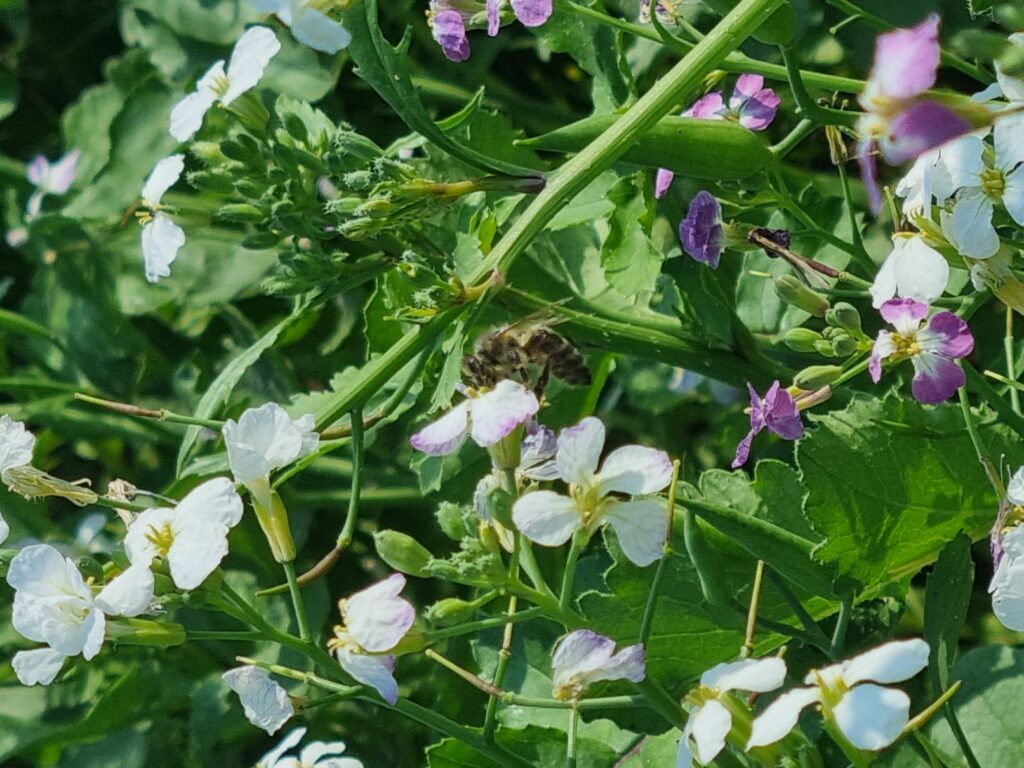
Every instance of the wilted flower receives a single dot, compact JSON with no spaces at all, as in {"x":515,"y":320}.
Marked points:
{"x":49,"y":179}
{"x":318,"y":754}
{"x":701,"y":232}
{"x":309,"y":25}
{"x":896,"y":120}
{"x":253,"y":51}
{"x":266,"y":703}
{"x":161,"y":237}
{"x":777,"y":412}
{"x":870,"y":716}
{"x":374,"y":621}
{"x":931,"y":344}
{"x":488,"y":415}
{"x":641,"y":525}
{"x":913,"y":270}
{"x":584,"y":657}
{"x":710,"y":720}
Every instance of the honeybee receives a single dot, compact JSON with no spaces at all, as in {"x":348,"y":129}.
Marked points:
{"x":516,"y":351}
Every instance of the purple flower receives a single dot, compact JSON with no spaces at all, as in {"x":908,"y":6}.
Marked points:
{"x":701,"y":231}
{"x":49,"y":178}
{"x":584,"y":657}
{"x":449,"y":29}
{"x":896,"y":121}
{"x":662,"y":181}
{"x":531,"y":13}
{"x":930,"y":344}
{"x":449,"y":20}
{"x":777,"y":412}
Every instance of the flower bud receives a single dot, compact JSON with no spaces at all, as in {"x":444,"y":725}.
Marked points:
{"x":274,"y":522}
{"x":489,"y":537}
{"x":801,"y":339}
{"x":837,"y":150}
{"x":844,"y":345}
{"x":450,"y":610}
{"x":816,"y":376}
{"x":452,"y":519}
{"x":90,"y":568}
{"x":295,"y":127}
{"x":844,"y":315}
{"x":258,"y":241}
{"x":145,"y":632}
{"x":825,"y":348}
{"x":403,"y":553}
{"x":208,"y":152}
{"x":793,"y":292}
{"x":241,"y":213}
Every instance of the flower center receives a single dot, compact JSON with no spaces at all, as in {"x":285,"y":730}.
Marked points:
{"x":907,"y":346}
{"x":586,"y":498}
{"x":220,"y":85}
{"x":832,"y":690}
{"x":162,"y":538}
{"x":993,"y":183}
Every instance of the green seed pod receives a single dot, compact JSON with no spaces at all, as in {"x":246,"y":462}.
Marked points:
{"x":844,"y":315}
{"x":706,"y":562}
{"x":700,"y":149}
{"x":825,"y":348}
{"x":450,"y":611}
{"x":793,"y":292}
{"x":212,"y":181}
{"x":844,"y":345}
{"x":778,"y":29}
{"x":356,"y":145}
{"x":402,"y":552}
{"x":801,"y":339}
{"x":816,"y":376}
{"x":243,"y":152}
{"x":145,"y":632}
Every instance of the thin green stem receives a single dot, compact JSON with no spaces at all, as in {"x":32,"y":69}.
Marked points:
{"x":161,"y":414}
{"x":960,"y":736}
{"x":979,"y":447}
{"x":570,"y":738}
{"x":471,"y":627}
{"x":852,"y":372}
{"x":647,"y":623}
{"x":791,"y":140}
{"x":245,"y":635}
{"x":863,"y":257}
{"x":805,"y":105}
{"x":106,"y":501}
{"x":980,"y":385}
{"x":755,"y":602}
{"x":1011,"y":363}
{"x":297,"y":603}
{"x":348,"y":529}
{"x":529,"y":562}
{"x":842,"y":623}
{"x":579,"y":541}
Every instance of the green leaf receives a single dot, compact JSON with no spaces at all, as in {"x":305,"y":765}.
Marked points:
{"x":891,"y":482}
{"x":539,"y":746}
{"x":385,"y":67}
{"x":945,"y":607}
{"x":631,"y":262}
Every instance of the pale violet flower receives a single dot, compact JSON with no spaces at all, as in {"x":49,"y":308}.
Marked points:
{"x":550,"y":518}
{"x":161,"y":237}
{"x":488,"y":415}
{"x":777,"y":411}
{"x":317,"y":754}
{"x":913,"y":270}
{"x":584,"y":657}
{"x":49,"y":179}
{"x":53,"y":605}
{"x":870,"y":716}
{"x":266,"y":703}
{"x":969,"y":227}
{"x":939,"y":173}
{"x":253,"y":51}
{"x":192,"y":537}
{"x":309,"y":25}
{"x":710,"y":720}
{"x":374,"y":620}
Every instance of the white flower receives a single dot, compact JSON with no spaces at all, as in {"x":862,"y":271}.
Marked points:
{"x":1007,"y":585}
{"x":939,"y":173}
{"x":253,"y":51}
{"x":375,"y":620}
{"x":870,"y":716}
{"x":49,"y":179}
{"x":312,"y":755}
{"x":488,"y":415}
{"x":309,"y":26}
{"x":192,"y":537}
{"x":969,"y":227}
{"x":266,"y":703}
{"x":584,"y":657}
{"x":710,"y":721}
{"x":913,"y":270}
{"x":161,"y":237}
{"x":16,"y":445}
{"x":264,"y":439}
{"x":549,"y":518}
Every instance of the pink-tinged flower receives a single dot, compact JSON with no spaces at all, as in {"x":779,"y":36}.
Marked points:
{"x":584,"y":657}
{"x":266,"y":704}
{"x":913,"y":270}
{"x":49,"y":179}
{"x":550,"y":518}
{"x":777,"y":412}
{"x":662,"y":181}
{"x":701,"y":232}
{"x":374,"y":621}
{"x":448,"y":26}
{"x":930,"y":344}
{"x":449,"y":20}
{"x":488,"y":416}
{"x":896,"y":121}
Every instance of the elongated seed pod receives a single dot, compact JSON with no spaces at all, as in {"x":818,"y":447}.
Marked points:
{"x":700,"y":149}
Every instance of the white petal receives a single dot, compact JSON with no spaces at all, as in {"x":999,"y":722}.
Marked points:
{"x":266,"y":703}
{"x":496,"y":414}
{"x":1012,"y":87}
{"x":161,"y":241}
{"x":636,"y":470}
{"x":164,"y":175}
{"x":641,"y":527}
{"x":137,"y":546}
{"x":1008,"y":135}
{"x":129,"y":594}
{"x":577,"y":656}
{"x":196,"y":552}
{"x":444,"y":436}
{"x":889,"y":663}
{"x":5,"y":530}
{"x":963,"y":160}
{"x":377,"y":617}
{"x":313,"y":752}
{"x":41,"y":571}
{"x":684,"y":758}
{"x":318,"y":31}
{"x":374,"y":671}
{"x":884,"y":286}
{"x":710,"y":725}
{"x":266,"y":438}
{"x":252,"y":53}
{"x":628,"y":664}
{"x":872,"y":717}
{"x":214,"y":501}
{"x":546,"y":517}
{"x":760,"y":675}
{"x":291,"y":739}
{"x":579,"y":450}
{"x":187,"y":115}
{"x":780,"y":717}
{"x":970,"y":226}
{"x":94,"y":629}
{"x":1013,"y":195}
{"x":921,"y":272}
{"x":1007,"y":589}
{"x":37,"y":667}
{"x":16,"y":444}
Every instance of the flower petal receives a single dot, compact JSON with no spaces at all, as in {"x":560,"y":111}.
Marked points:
{"x":165,"y":174}
{"x":129,"y":593}
{"x":780,"y":717}
{"x":921,"y":272}
{"x":711,"y":723}
{"x":707,"y":107}
{"x":266,"y":438}
{"x":1013,"y":194}
{"x":161,"y":241}
{"x":374,"y":671}
{"x":579,"y":450}
{"x":214,"y":501}
{"x":444,"y":436}
{"x":641,"y":527}
{"x":1015,"y":488}
{"x":16,"y":444}
{"x":936,"y":378}
{"x":969,"y":228}
{"x":319,"y":31}
{"x":1008,"y":136}
{"x":700,"y":232}
{"x":906,"y":60}
{"x":37,"y":667}
{"x":266,"y":703}
{"x":760,"y":675}
{"x":187,"y":115}
{"x":577,"y":655}
{"x":889,"y":663}
{"x":532,"y":13}
{"x":546,"y":517}
{"x":253,"y":51}
{"x":662,"y":181}
{"x":377,"y":617}
{"x":449,"y":31}
{"x":635,"y":470}
{"x":291,"y":739}
{"x":496,"y":414}
{"x":1007,"y":589}
{"x":871,"y":717}
{"x":196,"y":552}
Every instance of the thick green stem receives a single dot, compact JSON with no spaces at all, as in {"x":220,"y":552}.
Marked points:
{"x":755,"y":602}
{"x":570,"y":737}
{"x":579,"y":541}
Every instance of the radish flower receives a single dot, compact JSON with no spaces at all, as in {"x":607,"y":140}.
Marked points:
{"x":265,"y":702}
{"x":584,"y":657}
{"x":309,"y":25}
{"x":317,"y":754}
{"x":161,"y":237}
{"x":913,"y":270}
{"x":49,"y":178}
